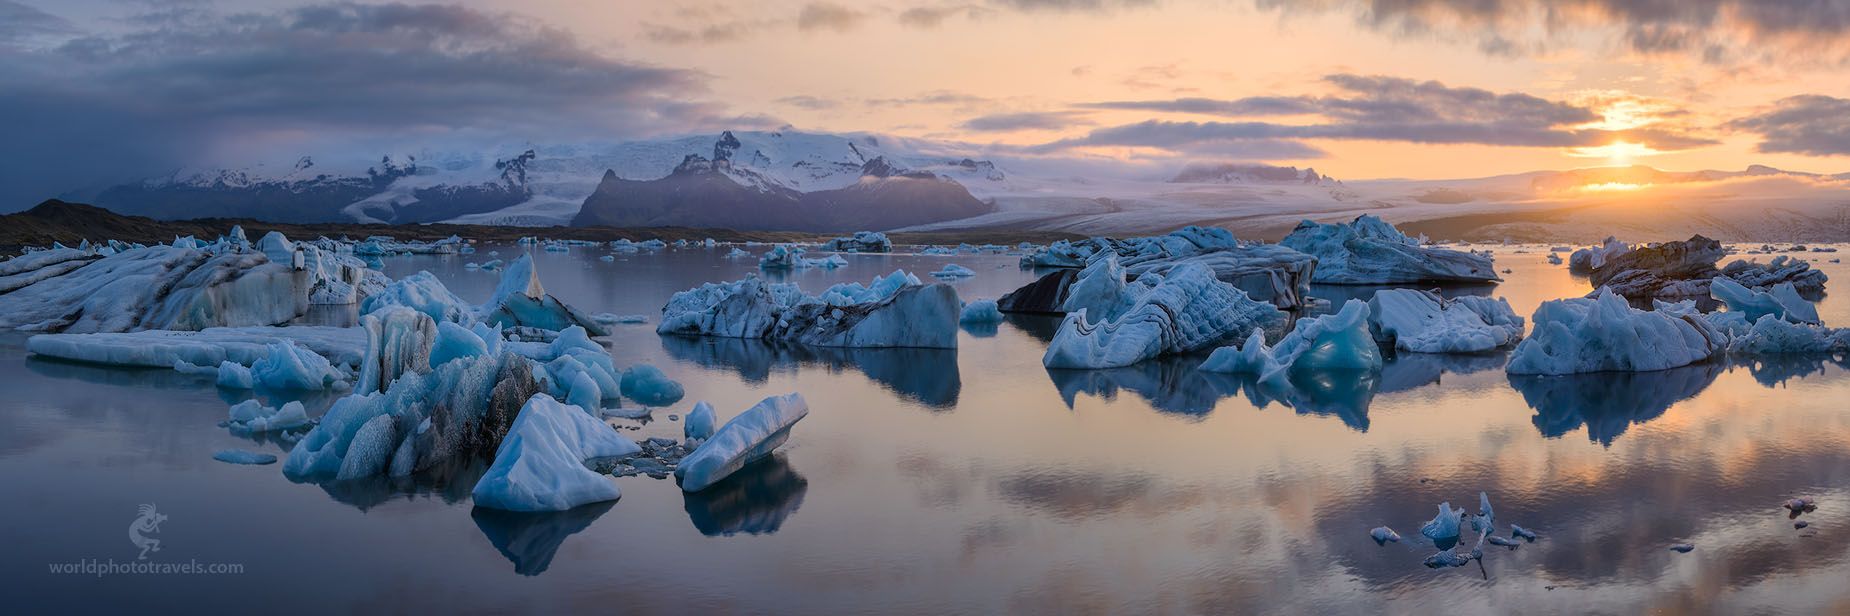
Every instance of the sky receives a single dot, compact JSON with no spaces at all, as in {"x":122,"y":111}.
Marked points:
{"x":95,"y":91}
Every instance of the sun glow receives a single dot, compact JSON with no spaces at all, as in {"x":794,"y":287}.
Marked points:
{"x":1614,"y":187}
{"x":1618,"y":154}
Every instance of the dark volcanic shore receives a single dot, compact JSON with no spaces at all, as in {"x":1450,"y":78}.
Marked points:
{"x":72,"y":223}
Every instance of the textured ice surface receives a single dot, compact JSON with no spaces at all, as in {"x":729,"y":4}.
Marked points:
{"x":1424,"y":322}
{"x":253,"y":416}
{"x":1782,"y":301}
{"x":1586,"y":259}
{"x":1371,"y":251}
{"x":423,"y":293}
{"x":520,"y":301}
{"x":455,"y":341}
{"x":1606,"y":334}
{"x":398,"y":341}
{"x":158,"y":287}
{"x":1445,"y":526}
{"x":980,"y":311}
{"x":1337,"y":342}
{"x":699,"y":422}
{"x":953,"y":270}
{"x":753,"y":434}
{"x":232,"y":375}
{"x":647,"y":385}
{"x":210,"y":347}
{"x":1186,"y":310}
{"x":239,"y":456}
{"x":893,"y":311}
{"x":1384,"y":535}
{"x":289,"y":366}
{"x":540,"y":465}
{"x":1266,"y":272}
{"x":863,"y":241}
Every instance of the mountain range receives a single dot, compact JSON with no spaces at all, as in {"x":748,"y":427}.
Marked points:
{"x":828,"y":182}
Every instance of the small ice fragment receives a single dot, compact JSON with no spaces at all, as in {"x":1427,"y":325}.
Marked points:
{"x":699,"y":426}
{"x":239,"y":456}
{"x":1384,"y":535}
{"x":646,"y":384}
{"x":1448,"y":558}
{"x":1444,"y":526}
{"x":980,"y":311}
{"x":1518,"y":531}
{"x":1503,"y":541}
{"x":1801,"y":524}
{"x":953,"y":270}
{"x":1683,"y":548}
{"x":1486,"y":519}
{"x":233,"y":375}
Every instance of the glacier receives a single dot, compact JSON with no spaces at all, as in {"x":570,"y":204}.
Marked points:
{"x":1606,"y":334}
{"x":893,"y":311}
{"x":751,"y":435}
{"x":1424,"y":322}
{"x":1368,"y":250}
{"x":1186,"y":310}
{"x":540,"y":464}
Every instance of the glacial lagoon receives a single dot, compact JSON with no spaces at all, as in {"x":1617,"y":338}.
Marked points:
{"x":976,"y":481}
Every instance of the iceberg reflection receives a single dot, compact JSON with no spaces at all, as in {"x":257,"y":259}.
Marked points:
{"x":530,"y":540}
{"x":1175,"y":385}
{"x":927,"y":376}
{"x":755,"y":500}
{"x":1608,"y":403}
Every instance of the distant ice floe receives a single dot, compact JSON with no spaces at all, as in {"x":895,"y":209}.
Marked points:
{"x":1371,"y":251}
{"x":1116,"y":323}
{"x":1675,"y":270}
{"x":895,"y":310}
{"x":1266,"y":272}
{"x":863,"y":241}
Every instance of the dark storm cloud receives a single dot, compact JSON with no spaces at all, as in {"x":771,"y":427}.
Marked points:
{"x":1809,"y":124}
{"x":1711,"y":28}
{"x":1026,"y":120}
{"x":1381,"y":109}
{"x":101,"y":107}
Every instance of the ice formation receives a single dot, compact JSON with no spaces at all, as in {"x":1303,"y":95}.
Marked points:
{"x":398,"y":342}
{"x":1782,"y":269}
{"x":1771,"y":335}
{"x":253,"y":416}
{"x":520,"y":302}
{"x":647,"y":385}
{"x":980,"y":311}
{"x":1384,"y":535}
{"x":232,"y":375}
{"x":953,"y":270}
{"x":1783,"y":302}
{"x":1424,"y":322}
{"x":699,"y":422}
{"x":1266,"y":272}
{"x":863,"y":241}
{"x":210,"y":347}
{"x":157,"y":287}
{"x":239,"y":456}
{"x":1371,"y":251}
{"x":292,"y":367}
{"x":1446,"y":526}
{"x":424,"y":293}
{"x":751,"y":435}
{"x":1670,"y":269}
{"x":1606,"y":334}
{"x":894,"y":311}
{"x":781,"y":257}
{"x":1585,"y":260}
{"x":540,"y":465}
{"x":1337,"y":342}
{"x":1186,"y":310}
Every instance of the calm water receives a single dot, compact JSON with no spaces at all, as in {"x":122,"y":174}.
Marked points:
{"x":975,"y":481}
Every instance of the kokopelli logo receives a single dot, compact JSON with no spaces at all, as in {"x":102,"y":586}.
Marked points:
{"x":148,"y":522}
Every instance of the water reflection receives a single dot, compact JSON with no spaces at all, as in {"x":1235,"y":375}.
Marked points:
{"x":1170,"y":384}
{"x":1174,"y":384}
{"x":926,"y":376}
{"x":1407,"y":371}
{"x":1776,"y":370}
{"x":451,"y":484}
{"x":531,"y":539}
{"x":1338,"y":294}
{"x":1608,"y":403}
{"x":755,"y":501}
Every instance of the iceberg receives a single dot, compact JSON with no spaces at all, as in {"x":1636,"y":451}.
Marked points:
{"x":1384,"y":535}
{"x":520,"y":302}
{"x":1585,"y":260}
{"x":1783,"y":302}
{"x":158,"y":287}
{"x":1771,"y":335}
{"x":699,"y":423}
{"x":1445,"y":527}
{"x":424,"y":293}
{"x":781,"y":257}
{"x":1337,"y":342}
{"x":232,"y":375}
{"x":646,"y":384}
{"x":1670,"y":269}
{"x":953,"y":270}
{"x":1782,"y":269}
{"x":1606,"y":334}
{"x":239,"y":456}
{"x":398,"y":342}
{"x":1266,"y":272}
{"x":980,"y":311}
{"x":1186,"y":310}
{"x":245,"y":346}
{"x":1371,"y":251}
{"x":540,"y":465}
{"x":862,"y":241}
{"x":252,"y":416}
{"x":292,"y":367}
{"x":753,"y":434}
{"x":1424,"y":322}
{"x":894,"y":311}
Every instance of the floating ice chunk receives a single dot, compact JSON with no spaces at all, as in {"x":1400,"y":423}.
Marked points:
{"x":239,"y":456}
{"x":737,"y":253}
{"x":1384,"y":535}
{"x":1771,"y":335}
{"x":233,"y":375}
{"x":781,"y":257}
{"x":1445,"y":526}
{"x":149,"y":288}
{"x":829,"y":262}
{"x":1518,"y":531}
{"x":1554,"y":259}
{"x":753,"y":434}
{"x":1332,"y":342}
{"x":424,"y":293}
{"x":1782,"y":302}
{"x":1800,"y":505}
{"x":646,"y":384}
{"x":1502,"y":541}
{"x":1586,"y":260}
{"x":540,"y":465}
{"x":398,"y":341}
{"x":1371,"y":251}
{"x":1683,"y":548}
{"x":253,"y":416}
{"x":607,"y":258}
{"x":1485,"y":521}
{"x":520,"y":301}
{"x":1607,"y":334}
{"x":1186,"y":310}
{"x":863,"y":241}
{"x":699,"y":422}
{"x":607,"y":318}
{"x":953,"y":270}
{"x":895,"y":311}
{"x":292,"y":367}
{"x":454,"y":341}
{"x":1424,"y":322}
{"x":1447,"y":558}
{"x":210,"y":347}
{"x":980,"y":311}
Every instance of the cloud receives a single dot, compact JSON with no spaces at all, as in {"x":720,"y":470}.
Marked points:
{"x":1072,"y":6}
{"x":828,"y":16}
{"x":158,"y":96}
{"x":1027,"y":120}
{"x":19,"y":22}
{"x":1382,"y":109}
{"x":932,"y":16}
{"x":723,"y":32}
{"x":1713,"y":30}
{"x":939,"y":97}
{"x":1808,"y":124}
{"x":812,"y":103}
